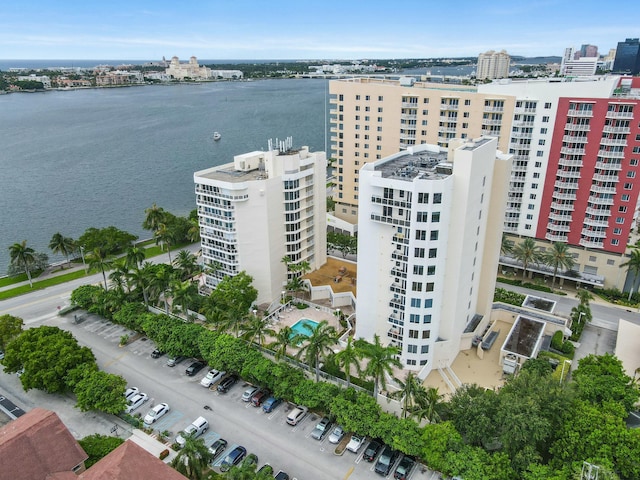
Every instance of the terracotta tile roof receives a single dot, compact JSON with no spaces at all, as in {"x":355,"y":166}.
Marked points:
{"x":38,"y":444}
{"x":130,"y":462}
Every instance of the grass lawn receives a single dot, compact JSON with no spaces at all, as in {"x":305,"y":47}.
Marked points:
{"x":39,"y":285}
{"x":17,"y":279}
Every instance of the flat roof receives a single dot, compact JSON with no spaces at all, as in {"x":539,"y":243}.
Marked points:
{"x":228,"y":173}
{"x":524,"y":336}
{"x":423,"y":165}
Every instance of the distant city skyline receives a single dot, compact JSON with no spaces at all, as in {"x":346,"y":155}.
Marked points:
{"x":349,"y":29}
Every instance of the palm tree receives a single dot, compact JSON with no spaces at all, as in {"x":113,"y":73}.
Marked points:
{"x":527,"y":252}
{"x":411,"y":392}
{"x":61,"y":244}
{"x":559,"y":257}
{"x":165,"y":236}
{"x":187,"y":263}
{"x":296,"y":285}
{"x":135,"y":257}
{"x":257,"y":328}
{"x":161,"y":282}
{"x":98,"y":260}
{"x":633,"y":266}
{"x":427,"y":405}
{"x":154,"y":216}
{"x":318,"y":344}
{"x":506,"y":247}
{"x":193,"y":234}
{"x":120,"y":274}
{"x":380,"y":361}
{"x":193,"y":458}
{"x":139,"y":278}
{"x":284,"y":338}
{"x":184,"y":295}
{"x":349,"y":357}
{"x":20,"y":253}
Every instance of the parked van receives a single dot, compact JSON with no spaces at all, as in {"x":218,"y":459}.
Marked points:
{"x":197,"y":428}
{"x":296,"y":415}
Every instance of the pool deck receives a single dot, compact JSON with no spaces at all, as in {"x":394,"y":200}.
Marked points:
{"x":290,"y":315}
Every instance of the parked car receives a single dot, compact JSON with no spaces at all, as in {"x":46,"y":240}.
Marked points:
{"x":404,"y":468}
{"x":211,"y":377}
{"x":156,"y":412}
{"x":156,"y":353}
{"x":173,"y":361}
{"x":131,"y":392}
{"x":355,"y":443}
{"x":136,"y":402}
{"x":266,"y":469}
{"x":227,"y":383}
{"x":234,"y":457}
{"x":336,"y":435}
{"x":270,"y":404}
{"x":194,"y":368}
{"x":259,"y":397}
{"x":281,"y":476}
{"x":296,"y":415}
{"x":372,"y":450}
{"x":248,"y":393}
{"x":197,"y":428}
{"x":250,"y":460}
{"x":386,"y":461}
{"x":217,"y":448}
{"x":322,"y":428}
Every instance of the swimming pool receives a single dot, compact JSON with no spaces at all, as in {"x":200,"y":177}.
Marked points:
{"x":302,"y":326}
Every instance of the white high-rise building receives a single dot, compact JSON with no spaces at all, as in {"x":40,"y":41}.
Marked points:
{"x":493,"y":65}
{"x":430,"y":222}
{"x":260,"y":208}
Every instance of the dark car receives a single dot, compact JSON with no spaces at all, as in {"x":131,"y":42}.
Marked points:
{"x":156,"y":353}
{"x":386,"y":461}
{"x":259,"y":397}
{"x":281,"y":476}
{"x":404,"y":468}
{"x":270,"y":404}
{"x":217,"y":448}
{"x":322,"y":428}
{"x":194,"y":368}
{"x":234,"y":457}
{"x":372,"y":450}
{"x":227,"y":383}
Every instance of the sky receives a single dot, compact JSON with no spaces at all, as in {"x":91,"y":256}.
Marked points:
{"x":307,"y":30}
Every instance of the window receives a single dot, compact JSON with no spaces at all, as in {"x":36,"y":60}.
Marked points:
{"x":611,"y":262}
{"x":423,"y":198}
{"x":619,"y":220}
{"x":433,"y":252}
{"x":379,"y":110}
{"x":625,"y":197}
{"x":536,"y":175}
{"x":532,"y":196}
{"x":636,"y":149}
{"x":421,"y":234}
{"x":428,"y":303}
{"x":465,"y":114}
{"x":437,"y":198}
{"x":545,"y":119}
{"x":467,"y":102}
{"x":380,"y":98}
{"x":615,"y":241}
{"x":633,"y":162}
{"x":617,"y":231}
{"x":429,"y":287}
{"x":434,"y":235}
{"x":539,"y":153}
{"x":541,"y":141}
{"x":631,"y":174}
{"x":425,"y":100}
{"x":422,"y":217}
{"x":543,"y":131}
{"x":592,"y":258}
{"x":424,"y":349}
{"x":426,"y":334}
{"x":414,"y":318}
{"x":538,"y":164}
{"x":413,"y":333}
{"x":628,"y":186}
{"x":529,"y":216}
{"x":412,"y":349}
{"x":435,"y":217}
{"x":622,"y":209}
{"x":418,"y":270}
{"x":416,"y":286}
{"x":426,"y":319}
{"x":547,"y":105}
{"x":431,"y":269}
{"x":418,"y":253}
{"x":415,"y":302}
{"x":465,"y":125}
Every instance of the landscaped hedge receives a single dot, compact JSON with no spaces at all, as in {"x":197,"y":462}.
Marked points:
{"x":506,"y":296}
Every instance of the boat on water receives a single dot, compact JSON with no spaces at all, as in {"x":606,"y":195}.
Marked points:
{"x":216,"y":136}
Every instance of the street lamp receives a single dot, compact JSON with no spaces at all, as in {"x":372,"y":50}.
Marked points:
{"x":580,"y":317}
{"x":564,"y":363}
{"x":83,"y":262}
{"x":283,"y":293}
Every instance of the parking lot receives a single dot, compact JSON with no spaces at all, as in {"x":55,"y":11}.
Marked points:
{"x":267,"y":435}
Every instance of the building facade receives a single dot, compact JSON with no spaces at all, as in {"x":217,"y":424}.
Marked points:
{"x":492,"y":65}
{"x":428,"y":248}
{"x":191,"y":70}
{"x":260,"y":208}
{"x":627,"y":57}
{"x":581,"y":67}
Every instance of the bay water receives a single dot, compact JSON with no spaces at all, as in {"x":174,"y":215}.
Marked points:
{"x":75,"y":159}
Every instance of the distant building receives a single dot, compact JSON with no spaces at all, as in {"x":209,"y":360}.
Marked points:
{"x":260,"y":208}
{"x":45,"y":80}
{"x":118,"y":77}
{"x":191,"y":70}
{"x":227,"y":74}
{"x":582,"y":67}
{"x":628,"y":57}
{"x":430,"y":222}
{"x":493,"y":65}
{"x":587,"y":51}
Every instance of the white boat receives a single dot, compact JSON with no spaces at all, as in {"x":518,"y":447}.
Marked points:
{"x":216,"y":136}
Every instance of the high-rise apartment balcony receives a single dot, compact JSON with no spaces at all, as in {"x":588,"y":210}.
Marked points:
{"x":592,"y":222}
{"x":571,"y":151}
{"x":605,"y":178}
{"x":601,"y":189}
{"x":574,"y":139}
{"x":560,"y":217}
{"x":611,"y":166}
{"x":510,"y":228}
{"x":556,"y":237}
{"x":518,"y":168}
{"x":512,"y":210}
{"x":591,"y":243}
{"x":394,"y":334}
{"x":397,"y":272}
{"x":490,"y":121}
{"x":389,"y":201}
{"x":610,"y":154}
{"x":600,"y":200}
{"x":522,"y":123}
{"x":577,"y":127}
{"x":600,"y":212}
{"x":568,"y":174}
{"x":447,"y":129}
{"x":564,"y":196}
{"x":579,"y":113}
{"x":566,"y":185}
{"x":562,"y":207}
{"x":516,"y":189}
{"x":493,"y":109}
{"x":490,"y":133}
{"x":396,"y":303}
{"x":408,"y":116}
{"x":521,"y":157}
{"x":397,"y":288}
{"x":614,"y":141}
{"x":410,"y":104}
{"x":448,"y":106}
{"x":625,"y":115}
{"x":615,"y":129}
{"x":556,"y":228}
{"x":565,"y":162}
{"x":521,"y":134}
{"x":523,"y":110}
{"x":407,"y":136}
{"x":593,"y":234}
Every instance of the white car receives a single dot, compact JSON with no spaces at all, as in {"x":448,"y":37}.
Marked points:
{"x":131,"y":392}
{"x":336,"y":435}
{"x":355,"y":443}
{"x":212,"y":377}
{"x":136,"y":402}
{"x":156,"y":412}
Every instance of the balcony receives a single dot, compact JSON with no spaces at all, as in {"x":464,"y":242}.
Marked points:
{"x":600,"y":200}
{"x":610,"y":154}
{"x":612,"y":166}
{"x":606,"y":178}
{"x":486,"y":121}
{"x":410,"y":104}
{"x":555,"y":227}
{"x":601,"y":212}
{"x":493,"y":109}
{"x":591,"y":243}
{"x":521,"y":110}
{"x":614,"y":141}
{"x":568,"y":174}
{"x":571,"y":151}
{"x":512,"y":210}
{"x":490,"y":133}
{"x":593,"y":234}
{"x":575,"y":127}
{"x":625,"y":115}
{"x":560,"y":217}
{"x":614,"y":129}
{"x":556,"y":237}
{"x":580,"y":113}
{"x":518,"y":168}
{"x":407,"y":136}
{"x":596,"y":223}
{"x":562,"y":207}
{"x":566,"y":185}
{"x":447,"y":129}
{"x":604,"y":190}
{"x":510,"y":228}
{"x":448,"y":106}
{"x":574,"y":139}
{"x":408,"y":116}
{"x":521,"y":134}
{"x":516,"y":189}
{"x":398,"y":273}
{"x":564,"y":196}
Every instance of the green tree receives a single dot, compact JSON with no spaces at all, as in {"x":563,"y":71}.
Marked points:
{"x":428,"y":405}
{"x":183,"y":294}
{"x":165,"y":236}
{"x":284,"y":338}
{"x":24,"y":256}
{"x":98,"y":260}
{"x":527,"y":252}
{"x":154,"y":216}
{"x":135,"y":257}
{"x":161,"y":283}
{"x":257,"y":328}
{"x":48,"y":356}
{"x":380,"y":360}
{"x":349,"y":357}
{"x":559,"y":257}
{"x":235,"y":294}
{"x":472,"y":410}
{"x":506,"y":245}
{"x":120,"y":274}
{"x":410,"y":393}
{"x":10,"y":328}
{"x":633,"y":267}
{"x":62,"y":245}
{"x":187,"y":264}
{"x":193,"y":459}
{"x":318,"y":344}
{"x":98,"y":446}
{"x":101,"y":391}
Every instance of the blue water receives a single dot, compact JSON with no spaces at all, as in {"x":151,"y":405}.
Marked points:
{"x":300,"y":327}
{"x":70,"y":160}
